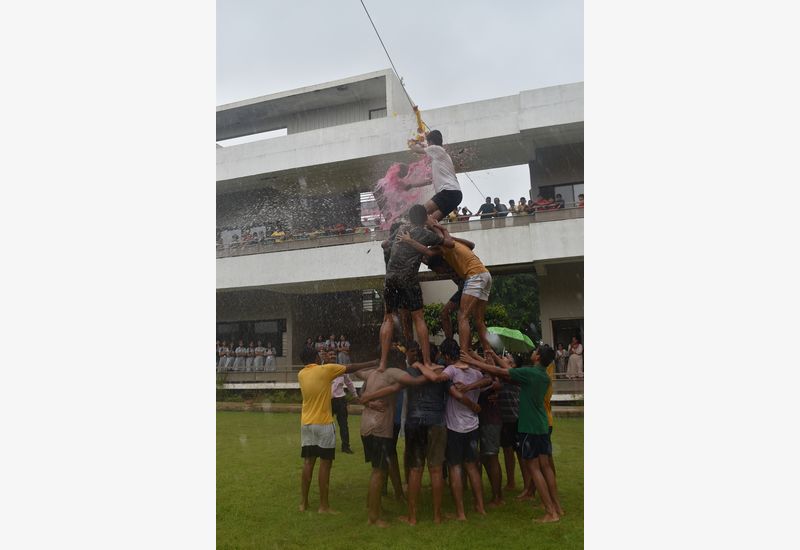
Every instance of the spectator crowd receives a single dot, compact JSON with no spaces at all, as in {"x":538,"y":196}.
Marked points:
{"x":253,"y":357}
{"x":269,"y":234}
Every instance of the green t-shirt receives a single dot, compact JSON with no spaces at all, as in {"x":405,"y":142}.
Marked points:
{"x":532,"y":415}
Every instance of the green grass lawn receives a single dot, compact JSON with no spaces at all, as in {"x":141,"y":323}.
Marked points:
{"x":258,"y":491}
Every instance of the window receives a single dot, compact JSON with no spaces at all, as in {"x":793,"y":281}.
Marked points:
{"x":377,"y":113}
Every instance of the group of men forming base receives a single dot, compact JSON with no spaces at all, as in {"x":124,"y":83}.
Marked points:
{"x":454,"y":411}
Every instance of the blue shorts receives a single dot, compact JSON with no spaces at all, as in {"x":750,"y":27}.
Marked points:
{"x":533,"y":445}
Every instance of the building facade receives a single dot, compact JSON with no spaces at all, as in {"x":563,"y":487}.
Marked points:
{"x":293,"y":257}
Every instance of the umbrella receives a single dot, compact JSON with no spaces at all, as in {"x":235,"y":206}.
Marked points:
{"x":513,"y":340}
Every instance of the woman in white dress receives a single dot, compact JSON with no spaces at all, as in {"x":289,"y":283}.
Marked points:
{"x":251,"y":356}
{"x":270,"y":358}
{"x":331,"y":344}
{"x":230,"y":358}
{"x":561,"y":359}
{"x":223,"y":355}
{"x":575,"y":364}
{"x":258,"y":360}
{"x":241,"y":356}
{"x":343,"y":348}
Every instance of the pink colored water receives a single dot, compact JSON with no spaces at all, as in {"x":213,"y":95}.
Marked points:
{"x":391,"y":196}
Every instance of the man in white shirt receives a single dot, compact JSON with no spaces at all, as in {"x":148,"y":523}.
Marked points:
{"x":339,"y":407}
{"x":443,"y":176}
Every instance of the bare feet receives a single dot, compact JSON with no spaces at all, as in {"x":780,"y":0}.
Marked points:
{"x":453,"y":516}
{"x":524,"y":496}
{"x":510,"y":487}
{"x":303,"y":507}
{"x":547,"y":519}
{"x":437,"y":520}
{"x":496,"y":502}
{"x":407,"y":520}
{"x":378,"y":523}
{"x":322,"y":510}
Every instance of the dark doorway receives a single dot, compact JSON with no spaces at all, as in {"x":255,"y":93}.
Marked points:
{"x":565,"y":329}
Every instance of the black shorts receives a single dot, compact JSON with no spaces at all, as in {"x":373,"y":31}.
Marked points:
{"x":447,"y":200}
{"x":377,"y":450}
{"x":315,"y":451}
{"x":397,"y":296}
{"x":462,"y":447}
{"x":395,"y":436}
{"x":508,"y":435}
{"x":550,"y":430}
{"x":533,"y":445}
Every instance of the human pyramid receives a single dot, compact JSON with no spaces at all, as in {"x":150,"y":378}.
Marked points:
{"x":450,"y":407}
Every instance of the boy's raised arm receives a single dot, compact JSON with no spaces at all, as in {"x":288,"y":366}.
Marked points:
{"x":485,"y":367}
{"x":353,"y":367}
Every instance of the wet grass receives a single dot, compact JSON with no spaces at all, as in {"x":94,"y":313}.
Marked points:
{"x":258,"y":488}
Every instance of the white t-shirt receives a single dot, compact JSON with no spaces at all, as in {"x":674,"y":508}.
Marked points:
{"x":442,"y":171}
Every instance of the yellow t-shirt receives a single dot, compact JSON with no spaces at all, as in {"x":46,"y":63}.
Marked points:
{"x":463,"y":260}
{"x":551,"y":372}
{"x":315,"y":385}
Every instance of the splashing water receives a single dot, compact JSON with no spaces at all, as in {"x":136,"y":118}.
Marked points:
{"x":390,"y":194}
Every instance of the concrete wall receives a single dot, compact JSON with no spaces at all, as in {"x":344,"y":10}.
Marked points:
{"x":332,"y":116}
{"x":560,"y":295}
{"x":480,"y":120}
{"x":545,"y":241}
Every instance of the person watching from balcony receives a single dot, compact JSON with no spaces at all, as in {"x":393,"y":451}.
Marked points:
{"x":465,"y":214}
{"x":580,"y":200}
{"x":258,"y":361}
{"x":279,"y":234}
{"x":224,"y":350}
{"x":331,"y":344}
{"x":401,"y":285}
{"x":559,"y":202}
{"x":443,"y":176}
{"x":487,"y":209}
{"x":343,"y":350}
{"x":251,"y":356}
{"x":452,"y":216}
{"x":541,"y":203}
{"x":241,"y":356}
{"x":512,"y":207}
{"x":269,"y":358}
{"x":575,"y":361}
{"x":522,"y":207}
{"x":319,"y":345}
{"x":230,"y":360}
{"x":500,"y":208}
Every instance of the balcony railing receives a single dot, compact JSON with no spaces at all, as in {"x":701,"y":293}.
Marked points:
{"x":350,"y":236}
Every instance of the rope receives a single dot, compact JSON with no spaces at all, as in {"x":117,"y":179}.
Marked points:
{"x":389,"y":56}
{"x":420,"y":122}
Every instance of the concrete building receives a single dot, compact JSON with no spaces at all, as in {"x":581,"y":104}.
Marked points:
{"x":339,"y":139}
